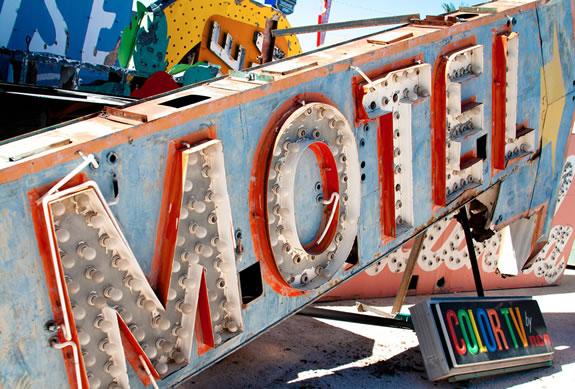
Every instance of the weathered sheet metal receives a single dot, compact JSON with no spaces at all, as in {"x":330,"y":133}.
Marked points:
{"x":444,"y":266}
{"x":138,"y":149}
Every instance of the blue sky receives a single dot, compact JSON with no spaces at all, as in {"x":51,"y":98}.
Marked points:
{"x":306,"y":12}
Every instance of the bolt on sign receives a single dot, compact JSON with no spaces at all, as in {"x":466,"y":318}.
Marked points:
{"x":463,"y":338}
{"x":211,"y":213}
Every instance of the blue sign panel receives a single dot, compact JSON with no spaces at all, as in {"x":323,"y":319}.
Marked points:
{"x":86,"y":31}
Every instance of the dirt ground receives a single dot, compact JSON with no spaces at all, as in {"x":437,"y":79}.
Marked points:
{"x":303,"y":352}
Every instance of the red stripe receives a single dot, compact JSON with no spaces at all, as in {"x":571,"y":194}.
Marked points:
{"x":438,"y":122}
{"x":499,"y":108}
{"x":386,"y":175}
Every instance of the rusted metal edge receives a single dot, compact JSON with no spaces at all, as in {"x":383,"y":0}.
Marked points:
{"x":116,"y":113}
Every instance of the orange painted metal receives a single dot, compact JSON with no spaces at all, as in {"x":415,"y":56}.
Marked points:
{"x":386,"y":282}
{"x":242,"y":34}
{"x":204,"y":332}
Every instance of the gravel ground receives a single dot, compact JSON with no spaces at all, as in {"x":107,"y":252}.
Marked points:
{"x":303,"y":352}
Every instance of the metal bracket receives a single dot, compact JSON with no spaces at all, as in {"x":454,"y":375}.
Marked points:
{"x":461,"y":217}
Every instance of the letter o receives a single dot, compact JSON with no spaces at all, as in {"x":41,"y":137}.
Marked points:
{"x":322,"y":129}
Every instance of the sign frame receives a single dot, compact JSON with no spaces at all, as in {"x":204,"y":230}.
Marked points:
{"x":439,"y":355}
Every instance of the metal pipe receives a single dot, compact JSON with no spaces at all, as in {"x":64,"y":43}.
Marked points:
{"x":335,"y":200}
{"x":70,"y":343}
{"x":399,"y":19}
{"x":269,"y":40}
{"x":464,"y":222}
{"x":87,"y":160}
{"x":331,"y":314}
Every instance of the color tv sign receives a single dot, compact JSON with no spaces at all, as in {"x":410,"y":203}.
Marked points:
{"x":469,"y":337}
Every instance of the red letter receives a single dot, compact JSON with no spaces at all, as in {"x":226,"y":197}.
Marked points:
{"x":452,"y":320}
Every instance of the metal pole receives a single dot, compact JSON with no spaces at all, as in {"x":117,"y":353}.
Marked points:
{"x":464,"y":221}
{"x":269,"y":41}
{"x":400,"y":19}
{"x":331,"y":314}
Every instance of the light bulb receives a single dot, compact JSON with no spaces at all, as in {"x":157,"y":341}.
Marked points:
{"x":102,"y":324}
{"x":83,"y":337}
{"x":148,"y":305}
{"x":58,"y":208}
{"x":107,"y":346}
{"x":112,"y":369}
{"x":164,"y":345}
{"x":138,"y":333}
{"x":183,"y":307}
{"x":203,"y":250}
{"x":178,"y":357}
{"x":96,"y":301}
{"x":161,"y":368}
{"x":188,"y":185}
{"x":62,"y":235}
{"x":150,"y":351}
{"x":86,"y":252}
{"x":94,"y":274}
{"x":113,"y":294}
{"x":95,"y":220}
{"x":197,"y":230}
{"x":79,"y":312}
{"x":172,"y":294}
{"x":68,"y":261}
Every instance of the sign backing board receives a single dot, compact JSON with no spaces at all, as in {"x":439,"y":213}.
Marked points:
{"x":466,"y":337}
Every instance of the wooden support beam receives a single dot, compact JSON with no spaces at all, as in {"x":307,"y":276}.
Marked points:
{"x":404,"y":285}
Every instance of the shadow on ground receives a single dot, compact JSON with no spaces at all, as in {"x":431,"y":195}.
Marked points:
{"x":303,"y":352}
{"x":298,"y":344}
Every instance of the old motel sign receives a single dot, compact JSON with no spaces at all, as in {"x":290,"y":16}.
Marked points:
{"x":166,"y":234}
